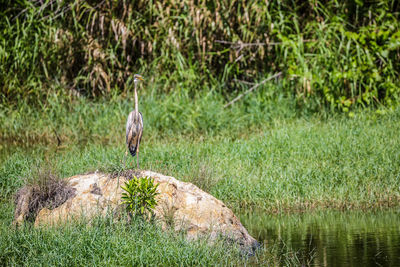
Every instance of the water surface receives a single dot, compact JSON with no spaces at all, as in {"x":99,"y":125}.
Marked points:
{"x":352,"y":238}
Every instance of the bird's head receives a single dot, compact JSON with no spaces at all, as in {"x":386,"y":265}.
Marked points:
{"x":137,"y":78}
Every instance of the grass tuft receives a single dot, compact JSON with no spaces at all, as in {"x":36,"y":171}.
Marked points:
{"x":46,"y":190}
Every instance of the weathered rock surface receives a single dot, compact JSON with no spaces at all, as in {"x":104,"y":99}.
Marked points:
{"x":180,"y":205}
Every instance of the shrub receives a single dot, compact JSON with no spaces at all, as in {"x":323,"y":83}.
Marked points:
{"x":140,"y":196}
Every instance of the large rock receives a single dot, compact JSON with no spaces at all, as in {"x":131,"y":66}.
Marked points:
{"x":180,"y":205}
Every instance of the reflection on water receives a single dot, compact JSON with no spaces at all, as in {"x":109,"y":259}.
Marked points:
{"x":332,"y":238}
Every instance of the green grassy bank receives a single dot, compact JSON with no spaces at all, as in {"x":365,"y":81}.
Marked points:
{"x":71,"y":136}
{"x":107,"y":243}
{"x":264,"y":155}
{"x":119,"y":244}
{"x":247,"y":156}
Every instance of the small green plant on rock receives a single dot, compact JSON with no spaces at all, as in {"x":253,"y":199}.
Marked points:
{"x":140,"y":196}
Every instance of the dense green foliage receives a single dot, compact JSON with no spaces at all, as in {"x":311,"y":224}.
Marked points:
{"x":332,"y":53}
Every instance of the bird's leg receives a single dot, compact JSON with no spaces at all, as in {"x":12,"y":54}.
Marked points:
{"x":137,"y":154}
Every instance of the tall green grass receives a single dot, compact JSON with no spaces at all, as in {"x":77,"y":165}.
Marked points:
{"x":109,"y":243}
{"x":337,"y":54}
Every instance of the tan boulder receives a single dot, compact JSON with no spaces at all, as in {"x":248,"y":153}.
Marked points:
{"x":180,"y":205}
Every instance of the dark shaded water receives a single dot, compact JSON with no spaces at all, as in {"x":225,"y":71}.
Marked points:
{"x":331,"y":238}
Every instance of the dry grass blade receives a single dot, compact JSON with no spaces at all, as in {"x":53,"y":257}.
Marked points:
{"x":253,"y":88}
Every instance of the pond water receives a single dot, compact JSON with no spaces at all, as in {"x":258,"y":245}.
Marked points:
{"x":331,"y":238}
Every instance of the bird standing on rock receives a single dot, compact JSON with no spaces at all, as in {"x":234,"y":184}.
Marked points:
{"x":134,"y":125}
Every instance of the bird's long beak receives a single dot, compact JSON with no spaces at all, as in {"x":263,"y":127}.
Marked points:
{"x":140,"y":78}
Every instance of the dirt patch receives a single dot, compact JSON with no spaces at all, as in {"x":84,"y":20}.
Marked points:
{"x":96,"y":190}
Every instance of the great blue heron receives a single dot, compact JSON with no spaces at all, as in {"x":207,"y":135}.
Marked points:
{"x":134,"y":125}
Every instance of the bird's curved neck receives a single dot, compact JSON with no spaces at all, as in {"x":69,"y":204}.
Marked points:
{"x":136,"y":102}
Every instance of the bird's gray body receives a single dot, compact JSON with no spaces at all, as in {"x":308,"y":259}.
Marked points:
{"x":134,"y":130}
